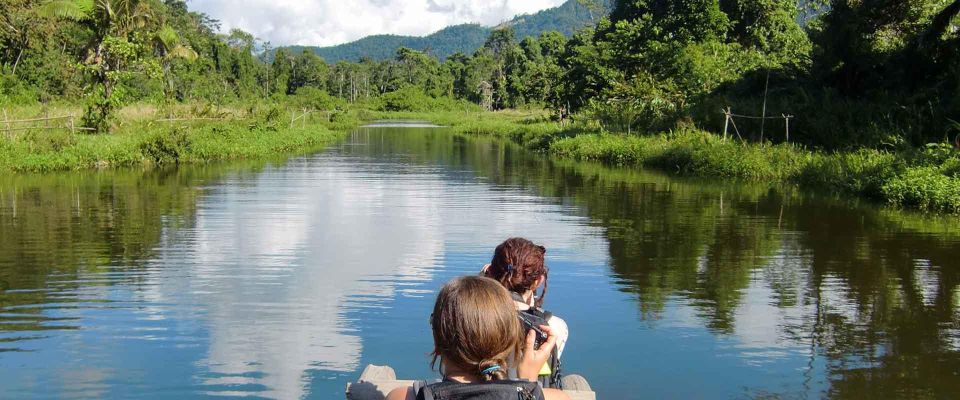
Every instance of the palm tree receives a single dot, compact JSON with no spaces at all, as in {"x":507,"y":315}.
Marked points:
{"x":113,"y":22}
{"x":171,"y":47}
{"x":107,"y":19}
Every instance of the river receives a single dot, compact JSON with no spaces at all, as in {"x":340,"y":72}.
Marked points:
{"x":283,"y":278}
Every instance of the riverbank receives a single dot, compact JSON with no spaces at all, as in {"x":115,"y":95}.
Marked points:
{"x":926,"y":179}
{"x":145,"y":136}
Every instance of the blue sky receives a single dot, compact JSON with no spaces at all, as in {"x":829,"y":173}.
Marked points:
{"x":331,"y":22}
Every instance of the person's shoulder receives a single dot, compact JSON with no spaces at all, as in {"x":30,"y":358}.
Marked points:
{"x":402,"y":393}
{"x":557,"y":323}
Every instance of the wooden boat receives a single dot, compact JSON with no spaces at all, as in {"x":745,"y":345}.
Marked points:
{"x":376,"y":381}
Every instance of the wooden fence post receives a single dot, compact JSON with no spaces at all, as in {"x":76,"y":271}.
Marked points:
{"x":735,"y":129}
{"x":6,"y":121}
{"x":763,"y":115}
{"x":726,"y":123}
{"x":786,"y":118}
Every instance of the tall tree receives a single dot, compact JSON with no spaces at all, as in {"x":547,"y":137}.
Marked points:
{"x":113,"y":52}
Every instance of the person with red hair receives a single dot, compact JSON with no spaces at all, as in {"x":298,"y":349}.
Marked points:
{"x":519,"y":265}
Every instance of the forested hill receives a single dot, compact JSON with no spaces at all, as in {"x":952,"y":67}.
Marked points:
{"x":464,"y":38}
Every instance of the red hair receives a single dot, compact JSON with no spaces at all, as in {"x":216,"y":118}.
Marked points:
{"x":517,"y":264}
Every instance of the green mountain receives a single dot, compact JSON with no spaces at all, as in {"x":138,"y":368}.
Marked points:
{"x":465,"y":38}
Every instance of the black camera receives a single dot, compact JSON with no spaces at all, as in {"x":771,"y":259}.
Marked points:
{"x":533,"y":322}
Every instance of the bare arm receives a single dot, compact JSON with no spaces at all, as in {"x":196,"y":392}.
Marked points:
{"x":402,"y":393}
{"x":554,"y":394}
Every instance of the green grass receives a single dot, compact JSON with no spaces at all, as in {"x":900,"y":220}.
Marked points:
{"x":924,"y":179}
{"x":142,"y":141}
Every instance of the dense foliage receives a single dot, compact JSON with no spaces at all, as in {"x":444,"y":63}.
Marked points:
{"x":852,"y":73}
{"x":879,"y":75}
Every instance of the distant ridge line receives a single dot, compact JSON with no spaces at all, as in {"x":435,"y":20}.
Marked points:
{"x":464,"y":38}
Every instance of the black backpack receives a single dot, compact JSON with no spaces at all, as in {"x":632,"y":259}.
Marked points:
{"x":495,"y":390}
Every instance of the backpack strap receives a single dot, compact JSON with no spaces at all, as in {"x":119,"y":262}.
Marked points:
{"x":506,"y":389}
{"x":556,"y":377}
{"x":536,"y":390}
{"x":546,"y":314}
{"x":422,"y":390}
{"x":517,"y":297}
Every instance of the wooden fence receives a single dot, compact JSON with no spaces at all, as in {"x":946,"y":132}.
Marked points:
{"x":731,"y":122}
{"x":68,"y":122}
{"x":45,"y":123}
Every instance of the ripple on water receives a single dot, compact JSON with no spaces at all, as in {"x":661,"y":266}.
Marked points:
{"x":283,"y":280}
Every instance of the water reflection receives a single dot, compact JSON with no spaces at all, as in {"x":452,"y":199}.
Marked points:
{"x":274,"y":260}
{"x":869,"y":295}
{"x":251,"y":288}
{"x":282,"y":280}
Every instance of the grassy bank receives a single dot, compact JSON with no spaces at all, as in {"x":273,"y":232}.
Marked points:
{"x":926,"y":179}
{"x":147,"y":136}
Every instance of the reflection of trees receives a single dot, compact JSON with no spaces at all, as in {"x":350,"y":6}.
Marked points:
{"x":56,"y":229}
{"x":665,"y":239}
{"x":875,"y":290}
{"x":894,"y":329}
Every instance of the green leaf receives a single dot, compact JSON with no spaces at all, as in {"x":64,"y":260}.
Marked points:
{"x":168,"y":37}
{"x":77,"y":10}
{"x":183,"y":52}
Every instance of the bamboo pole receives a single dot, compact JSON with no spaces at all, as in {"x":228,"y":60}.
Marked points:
{"x":6,"y":121}
{"x":786,"y":118}
{"x":188,"y":119}
{"x":763,"y":115}
{"x":752,"y":117}
{"x":735,"y":129}
{"x":18,"y":121}
{"x":45,"y":128}
{"x":726,"y":123}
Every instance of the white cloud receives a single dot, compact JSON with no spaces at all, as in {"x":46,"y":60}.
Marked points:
{"x":331,"y":22}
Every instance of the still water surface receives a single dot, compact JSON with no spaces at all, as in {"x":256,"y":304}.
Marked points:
{"x":283,"y":279}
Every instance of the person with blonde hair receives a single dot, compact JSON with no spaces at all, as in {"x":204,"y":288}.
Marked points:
{"x":477,"y":338}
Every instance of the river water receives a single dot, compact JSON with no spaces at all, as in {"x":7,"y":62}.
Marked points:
{"x":282,"y":279}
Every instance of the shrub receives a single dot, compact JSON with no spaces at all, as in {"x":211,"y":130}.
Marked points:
{"x":863,"y":172}
{"x":13,"y":91}
{"x":407,"y":99}
{"x":269,"y":117}
{"x":164,"y":148}
{"x":413,"y":99}
{"x":924,"y":188}
{"x":42,"y":141}
{"x":313,"y":98}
